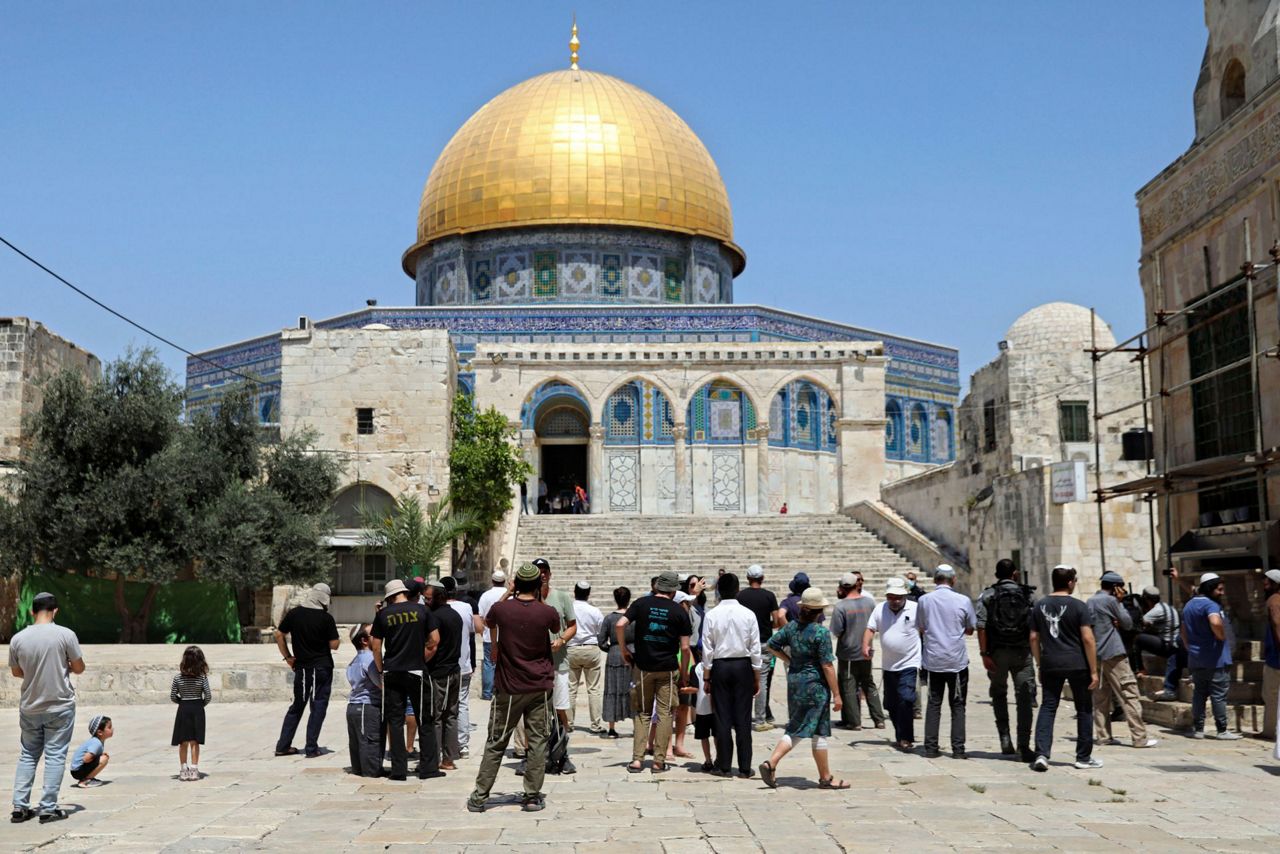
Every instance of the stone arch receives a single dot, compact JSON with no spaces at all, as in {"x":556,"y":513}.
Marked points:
{"x":917,"y":432}
{"x":1231,"y":96}
{"x":546,"y":388}
{"x":660,"y":385}
{"x":711,"y":418}
{"x":808,"y":377}
{"x":942,"y":429}
{"x":347,"y":502}
{"x":696,"y":384}
{"x":637,"y":411}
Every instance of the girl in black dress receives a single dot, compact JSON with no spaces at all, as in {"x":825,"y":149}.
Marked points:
{"x":190,"y":690}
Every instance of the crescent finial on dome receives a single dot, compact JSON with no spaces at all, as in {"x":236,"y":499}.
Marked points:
{"x":573,"y":44}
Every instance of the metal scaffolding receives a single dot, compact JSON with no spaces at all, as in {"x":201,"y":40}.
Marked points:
{"x":1164,"y":481}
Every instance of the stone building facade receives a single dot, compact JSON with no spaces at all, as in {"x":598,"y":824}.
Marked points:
{"x":29,"y":355}
{"x":1203,"y":217}
{"x":1028,"y":412}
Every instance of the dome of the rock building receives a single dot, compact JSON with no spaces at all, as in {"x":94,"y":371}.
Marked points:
{"x":576,"y":149}
{"x":1056,"y":325}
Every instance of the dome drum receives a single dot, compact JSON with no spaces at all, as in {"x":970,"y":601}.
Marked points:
{"x":574,"y":265}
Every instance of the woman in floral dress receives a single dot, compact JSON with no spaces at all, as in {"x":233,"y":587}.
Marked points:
{"x":811,"y":688}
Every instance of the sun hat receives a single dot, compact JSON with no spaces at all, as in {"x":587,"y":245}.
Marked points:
{"x":394,"y":587}
{"x":896,"y":587}
{"x":812,"y":598}
{"x":799,"y":583}
{"x":668,"y":582}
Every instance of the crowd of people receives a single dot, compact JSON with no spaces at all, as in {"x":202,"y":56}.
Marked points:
{"x":667,"y":660}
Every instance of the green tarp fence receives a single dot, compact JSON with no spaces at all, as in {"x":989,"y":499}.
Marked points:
{"x":183,"y":611}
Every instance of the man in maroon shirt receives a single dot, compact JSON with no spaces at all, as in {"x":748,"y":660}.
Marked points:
{"x":522,"y":628}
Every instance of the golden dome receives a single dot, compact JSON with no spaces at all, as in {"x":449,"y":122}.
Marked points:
{"x":575,"y":147}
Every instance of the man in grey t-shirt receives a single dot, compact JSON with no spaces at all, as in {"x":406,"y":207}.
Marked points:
{"x":43,"y":656}
{"x":849,"y":621}
{"x":1115,"y":676}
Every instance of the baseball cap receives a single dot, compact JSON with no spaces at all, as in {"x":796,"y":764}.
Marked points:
{"x":498,"y":577}
{"x":437,"y":584}
{"x":1110,"y":577}
{"x":848,"y":580}
{"x":542,"y":564}
{"x":755,"y":571}
{"x":683,"y":577}
{"x":1272,"y":574}
{"x":393,"y":587}
{"x":668,"y":582}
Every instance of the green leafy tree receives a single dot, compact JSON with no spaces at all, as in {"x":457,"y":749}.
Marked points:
{"x":416,"y":540}
{"x":484,"y":465}
{"x":114,"y":484}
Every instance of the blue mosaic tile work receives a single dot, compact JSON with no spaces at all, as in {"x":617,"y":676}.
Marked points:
{"x":917,"y":371}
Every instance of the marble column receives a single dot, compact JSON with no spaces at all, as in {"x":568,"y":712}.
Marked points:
{"x":678,"y":434}
{"x":762,"y":468}
{"x":529,"y":449}
{"x":595,"y":464}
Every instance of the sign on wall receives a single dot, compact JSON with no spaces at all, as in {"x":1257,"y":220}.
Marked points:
{"x":1068,"y":482}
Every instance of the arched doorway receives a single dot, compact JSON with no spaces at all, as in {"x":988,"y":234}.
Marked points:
{"x":560,"y":418}
{"x":359,"y":571}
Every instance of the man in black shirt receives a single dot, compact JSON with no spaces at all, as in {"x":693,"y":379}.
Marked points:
{"x":662,"y":636}
{"x":1063,"y":645}
{"x":443,"y":690}
{"x":764,"y":604}
{"x":405,"y":638}
{"x":314,"y":634}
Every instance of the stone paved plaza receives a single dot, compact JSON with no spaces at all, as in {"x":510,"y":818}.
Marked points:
{"x":1183,"y":795}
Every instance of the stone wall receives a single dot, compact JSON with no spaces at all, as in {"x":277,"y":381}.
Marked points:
{"x":406,"y":377}
{"x":29,"y":355}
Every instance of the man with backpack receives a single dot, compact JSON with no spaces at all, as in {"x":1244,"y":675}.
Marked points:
{"x":1004,"y":640}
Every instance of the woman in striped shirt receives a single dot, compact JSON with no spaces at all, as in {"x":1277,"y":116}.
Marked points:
{"x":190,"y":690}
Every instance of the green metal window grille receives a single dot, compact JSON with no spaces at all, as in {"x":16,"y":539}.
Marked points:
{"x":1073,"y":420}
{"x":1222,"y":405}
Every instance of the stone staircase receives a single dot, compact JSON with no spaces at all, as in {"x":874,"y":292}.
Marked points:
{"x":1244,"y":699}
{"x":613,"y":550}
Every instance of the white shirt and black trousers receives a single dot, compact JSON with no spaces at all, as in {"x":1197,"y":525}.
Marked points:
{"x":731,"y":659}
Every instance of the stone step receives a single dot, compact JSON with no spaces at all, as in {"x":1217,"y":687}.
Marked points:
{"x":1243,"y":717}
{"x":1239,"y":692}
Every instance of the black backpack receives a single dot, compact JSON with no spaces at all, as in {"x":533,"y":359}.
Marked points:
{"x":1009,"y":615}
{"x":557,"y":746}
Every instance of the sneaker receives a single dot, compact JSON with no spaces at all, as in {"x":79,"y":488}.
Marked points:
{"x":184,"y":774}
{"x":1150,"y":742}
{"x":1027,"y":755}
{"x":1166,"y":696}
{"x":1197,"y":733}
{"x":880,"y":725}
{"x":91,"y":783}
{"x":1086,"y":764}
{"x":568,"y":768}
{"x":472,"y":806}
{"x":534,"y":803}
{"x":1228,"y":735}
{"x":932,"y":753}
{"x":1040,"y":764}
{"x":959,"y":754}
{"x":763,"y":726}
{"x":466,"y":753}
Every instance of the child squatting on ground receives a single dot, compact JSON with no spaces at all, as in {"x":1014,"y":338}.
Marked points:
{"x":91,"y":757}
{"x":190,"y":690}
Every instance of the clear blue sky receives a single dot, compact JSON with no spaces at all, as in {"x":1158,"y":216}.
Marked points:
{"x":931,"y":169}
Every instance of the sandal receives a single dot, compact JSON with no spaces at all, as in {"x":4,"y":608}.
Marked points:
{"x":633,"y":768}
{"x":658,"y":768}
{"x":768,"y":774}
{"x":831,"y":783}
{"x":292,"y":751}
{"x":55,"y":814}
{"x":21,"y":814}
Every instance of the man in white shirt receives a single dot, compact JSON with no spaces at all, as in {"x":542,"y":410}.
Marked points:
{"x":895,"y":620}
{"x":584,"y":658}
{"x":731,"y":666}
{"x":487,"y":600}
{"x":946,"y":619}
{"x":471,"y":623}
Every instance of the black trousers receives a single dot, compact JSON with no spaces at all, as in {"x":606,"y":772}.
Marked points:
{"x":956,"y":684}
{"x":732,"y":691}
{"x":364,"y":739}
{"x":396,"y":689}
{"x":311,"y":685}
{"x":1015,"y":663}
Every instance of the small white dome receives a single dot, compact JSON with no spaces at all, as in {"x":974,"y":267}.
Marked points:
{"x":1057,"y":326}
{"x":376,"y":326}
